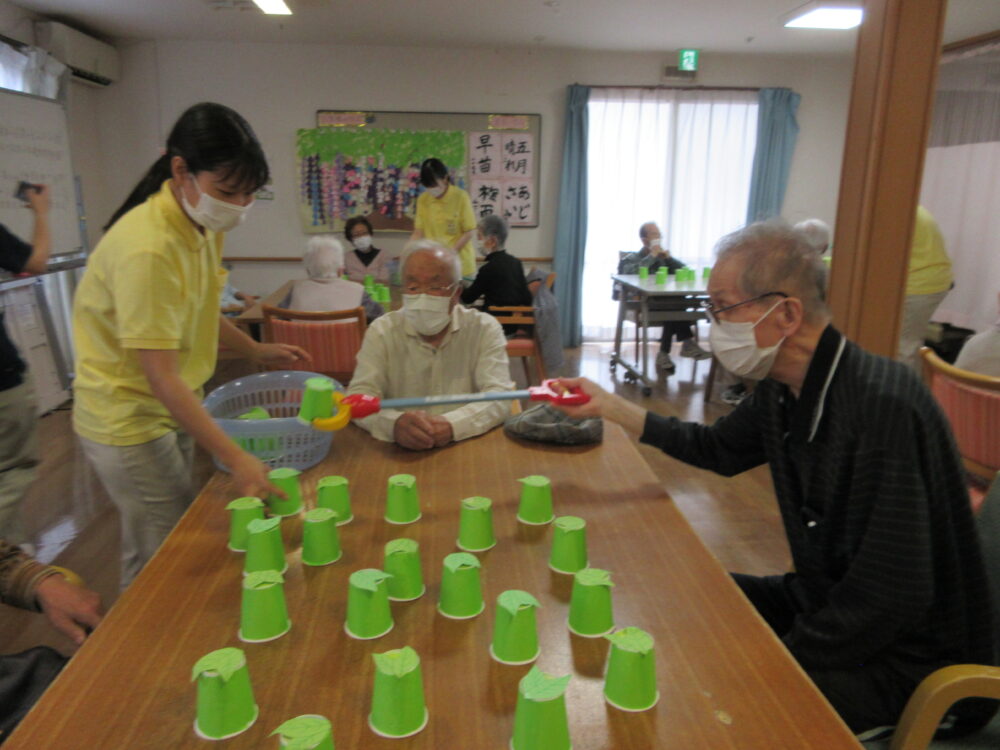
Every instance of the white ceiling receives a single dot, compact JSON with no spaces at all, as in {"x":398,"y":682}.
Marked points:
{"x":730,"y":26}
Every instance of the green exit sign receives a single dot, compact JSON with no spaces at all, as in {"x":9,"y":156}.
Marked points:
{"x":687,"y":59}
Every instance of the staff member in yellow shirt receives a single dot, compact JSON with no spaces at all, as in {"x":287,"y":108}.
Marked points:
{"x":927,"y":284}
{"x":147,"y":328}
{"x":444,"y":214}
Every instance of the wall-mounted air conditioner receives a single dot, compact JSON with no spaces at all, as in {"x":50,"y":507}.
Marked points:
{"x":91,"y":60}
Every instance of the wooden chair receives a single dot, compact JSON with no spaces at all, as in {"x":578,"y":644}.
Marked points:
{"x":525,"y":348}
{"x":331,"y":338}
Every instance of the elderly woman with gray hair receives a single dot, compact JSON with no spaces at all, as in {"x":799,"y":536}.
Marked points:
{"x":325,"y":290}
{"x":501,"y":279}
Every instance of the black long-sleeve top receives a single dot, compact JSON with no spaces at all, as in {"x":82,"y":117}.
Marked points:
{"x":501,"y":281}
{"x":14,"y":253}
{"x":874,"y":505}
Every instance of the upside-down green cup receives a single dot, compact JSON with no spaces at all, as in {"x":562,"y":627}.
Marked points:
{"x":540,"y":720}
{"x":515,"y":629}
{"x":306,"y":732}
{"x":569,"y":545}
{"x":263,"y":613}
{"x":317,"y":400}
{"x":320,"y":538}
{"x":475,"y":525}
{"x":368,"y":613}
{"x":287,"y":479}
{"x":398,"y":707}
{"x":590,"y":613}
{"x":369,"y":282}
{"x":225,"y":705}
{"x":265,"y":548}
{"x":243,"y":510}
{"x":535,"y":507}
{"x":661,"y":276}
{"x":643,"y":273}
{"x":461,"y":595}
{"x":402,"y":502}
{"x":402,"y":562}
{"x":333,"y":492}
{"x":630,"y":682}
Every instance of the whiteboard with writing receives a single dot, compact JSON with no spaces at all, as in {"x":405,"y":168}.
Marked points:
{"x":34,"y":146}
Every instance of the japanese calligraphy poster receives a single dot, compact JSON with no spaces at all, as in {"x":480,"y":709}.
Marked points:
{"x":501,"y":175}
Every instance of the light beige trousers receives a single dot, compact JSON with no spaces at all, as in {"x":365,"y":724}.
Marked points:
{"x":18,"y":456}
{"x":917,"y":312}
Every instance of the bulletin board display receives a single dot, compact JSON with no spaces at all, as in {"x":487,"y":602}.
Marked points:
{"x":368,"y":164}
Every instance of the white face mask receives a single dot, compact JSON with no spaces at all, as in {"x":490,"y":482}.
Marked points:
{"x":655,"y":242}
{"x":438,"y":190}
{"x":735,"y":346}
{"x":480,"y":246}
{"x":362,"y":243}
{"x":212,"y":213}
{"x":427,"y":313}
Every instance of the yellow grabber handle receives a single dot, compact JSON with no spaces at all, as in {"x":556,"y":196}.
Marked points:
{"x":339,"y":420}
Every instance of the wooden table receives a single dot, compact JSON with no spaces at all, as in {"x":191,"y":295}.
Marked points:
{"x":725,"y":680}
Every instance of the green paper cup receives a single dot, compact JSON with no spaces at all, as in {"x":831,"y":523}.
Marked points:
{"x":368,"y":614}
{"x":706,"y":272}
{"x":288,"y":480}
{"x":333,"y":493}
{"x":475,"y":525}
{"x":630,"y":682}
{"x":263,"y":614}
{"x":306,"y":732}
{"x":369,"y":282}
{"x":402,"y":501}
{"x":402,"y":562}
{"x":320,"y":538}
{"x":243,"y":511}
{"x":540,"y":720}
{"x":515,"y":629}
{"x":398,"y":707}
{"x":536,"y":501}
{"x":461,"y":595}
{"x":265,"y":548}
{"x":569,"y":545}
{"x":225,"y":704}
{"x":590,"y":613}
{"x":258,"y":412}
{"x":643,"y":272}
{"x":317,"y":400}
{"x":661,"y":276}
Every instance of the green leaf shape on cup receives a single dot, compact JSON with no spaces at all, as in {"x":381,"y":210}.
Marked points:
{"x":303,"y":732}
{"x":258,"y":525}
{"x":535,"y":480}
{"x":570,"y":523}
{"x":258,"y":412}
{"x":225,"y":661}
{"x":401,"y":545}
{"x":539,"y":686}
{"x":320,"y":514}
{"x":369,"y":578}
{"x":515,"y":599}
{"x":398,"y":662}
{"x":245,"y":503}
{"x":457,"y":560}
{"x":594,"y":577}
{"x":285,"y":472}
{"x":262,"y":579}
{"x":402,"y":480}
{"x":477,"y":503}
{"x":332,"y":481}
{"x":632,"y":639}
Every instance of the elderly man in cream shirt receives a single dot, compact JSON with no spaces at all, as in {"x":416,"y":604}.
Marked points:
{"x":432,"y":346}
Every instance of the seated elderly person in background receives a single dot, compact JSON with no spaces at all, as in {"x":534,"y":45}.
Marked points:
{"x":233,"y":301}
{"x":432,"y":347}
{"x":500,"y":281}
{"x":324,"y":290}
{"x":364,"y":259}
{"x":816,"y":233}
{"x":981,"y":353}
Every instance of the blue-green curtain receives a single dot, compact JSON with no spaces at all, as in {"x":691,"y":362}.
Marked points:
{"x":571,"y":225}
{"x":777,"y":131}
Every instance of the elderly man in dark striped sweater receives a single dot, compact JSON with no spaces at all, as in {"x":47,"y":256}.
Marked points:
{"x":889,"y":583}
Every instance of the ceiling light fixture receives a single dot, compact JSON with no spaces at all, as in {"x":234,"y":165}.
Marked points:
{"x":825,"y":15}
{"x":273,"y":7}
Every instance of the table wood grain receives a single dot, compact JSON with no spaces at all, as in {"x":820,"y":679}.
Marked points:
{"x":725,"y":680}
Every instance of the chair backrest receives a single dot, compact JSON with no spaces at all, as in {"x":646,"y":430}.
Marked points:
{"x":988,"y":526}
{"x":331,"y":338}
{"x":972,"y":404}
{"x":518,"y":315}
{"x":550,"y":281}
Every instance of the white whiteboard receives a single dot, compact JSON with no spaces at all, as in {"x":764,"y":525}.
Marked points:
{"x":34,"y":146}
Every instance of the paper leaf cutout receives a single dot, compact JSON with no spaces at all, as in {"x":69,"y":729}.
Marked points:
{"x":477,"y":503}
{"x":514,"y":599}
{"x":285,"y":472}
{"x":320,"y":514}
{"x":368,"y":578}
{"x":538,"y":686}
{"x":258,"y":412}
{"x":303,"y":732}
{"x":457,"y":560}
{"x":245,"y":503}
{"x":594,"y":577}
{"x":398,"y":662}
{"x":225,"y":661}
{"x":262,"y":579}
{"x":401,"y":545}
{"x":331,"y":481}
{"x":535,"y":480}
{"x":258,"y":525}
{"x":570,"y":523}
{"x":402,"y":480}
{"x":632,"y":639}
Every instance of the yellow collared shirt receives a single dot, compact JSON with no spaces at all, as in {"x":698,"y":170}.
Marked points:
{"x":446,"y":219}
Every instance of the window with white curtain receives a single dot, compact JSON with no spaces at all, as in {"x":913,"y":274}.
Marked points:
{"x":30,"y":70}
{"x":681,"y":158}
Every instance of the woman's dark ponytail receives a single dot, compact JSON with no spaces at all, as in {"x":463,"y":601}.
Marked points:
{"x":148,"y":185}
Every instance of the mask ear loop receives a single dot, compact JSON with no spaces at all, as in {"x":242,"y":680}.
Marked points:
{"x":771,"y":310}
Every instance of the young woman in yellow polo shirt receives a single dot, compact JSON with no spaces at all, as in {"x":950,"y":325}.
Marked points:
{"x":444,"y":214}
{"x":147,"y":328}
